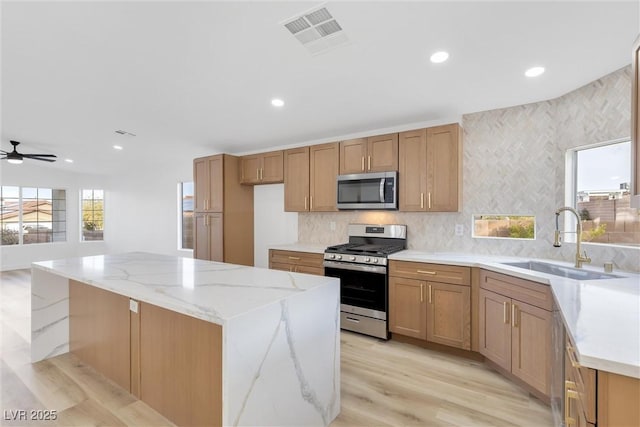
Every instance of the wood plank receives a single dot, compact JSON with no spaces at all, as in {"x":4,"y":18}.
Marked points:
{"x":99,"y":331}
{"x":181,"y":366}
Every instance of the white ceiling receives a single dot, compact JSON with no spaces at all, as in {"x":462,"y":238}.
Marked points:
{"x":197,"y":78}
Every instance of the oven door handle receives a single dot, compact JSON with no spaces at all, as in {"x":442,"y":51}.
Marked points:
{"x":356,"y":267}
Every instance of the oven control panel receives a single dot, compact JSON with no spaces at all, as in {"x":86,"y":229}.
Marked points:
{"x":359,"y":259}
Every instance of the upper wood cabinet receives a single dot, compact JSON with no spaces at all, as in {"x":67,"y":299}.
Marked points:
{"x":310,"y":175}
{"x":323,"y":173}
{"x":263,"y":168}
{"x":208,"y":180}
{"x":635,"y":124}
{"x":296,"y":180}
{"x":430,"y":167}
{"x":223,"y":228}
{"x":373,"y":154}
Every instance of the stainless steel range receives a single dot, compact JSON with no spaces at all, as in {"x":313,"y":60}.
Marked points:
{"x":361,"y":266}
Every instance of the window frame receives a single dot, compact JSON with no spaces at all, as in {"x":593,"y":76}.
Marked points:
{"x":81,"y":221}
{"x":571,"y":190}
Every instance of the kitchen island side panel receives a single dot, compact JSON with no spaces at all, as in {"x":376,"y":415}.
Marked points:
{"x":282,"y":362}
{"x":49,"y":315}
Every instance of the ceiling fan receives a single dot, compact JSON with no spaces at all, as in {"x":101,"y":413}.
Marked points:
{"x":16,"y":158}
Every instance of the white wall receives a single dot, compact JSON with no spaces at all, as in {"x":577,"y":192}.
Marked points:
{"x":271,"y":224}
{"x":36,"y":174}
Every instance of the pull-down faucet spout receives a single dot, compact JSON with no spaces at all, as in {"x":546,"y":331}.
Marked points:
{"x":580,"y":259}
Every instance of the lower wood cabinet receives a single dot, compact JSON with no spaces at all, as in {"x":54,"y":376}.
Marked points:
{"x":171,"y":361}
{"x":433,"y":309}
{"x":209,"y":232}
{"x":298,"y":262}
{"x":513,"y":334}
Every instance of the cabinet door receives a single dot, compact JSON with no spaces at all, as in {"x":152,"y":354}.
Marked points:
{"x":531,"y":345}
{"x":412,"y":170}
{"x":449,"y":314}
{"x":272,"y":168}
{"x":202,"y":184}
{"x":353,"y":156}
{"x":201,"y":237}
{"x":382,"y":153}
{"x":296,"y":180}
{"x":250,"y":169}
{"x":216,"y":183}
{"x":324,"y":161}
{"x":407,"y":307}
{"x":273,"y":265}
{"x":216,"y":242}
{"x":495,"y":328}
{"x":443,"y":168}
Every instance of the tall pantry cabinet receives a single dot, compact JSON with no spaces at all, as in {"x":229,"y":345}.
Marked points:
{"x":223,"y":214}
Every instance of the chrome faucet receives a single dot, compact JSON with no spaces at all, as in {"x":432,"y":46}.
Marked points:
{"x":556,"y":241}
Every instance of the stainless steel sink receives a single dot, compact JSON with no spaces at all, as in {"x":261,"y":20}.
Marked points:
{"x":558,"y":270}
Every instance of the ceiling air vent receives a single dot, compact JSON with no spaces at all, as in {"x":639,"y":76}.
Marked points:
{"x":317,"y":30}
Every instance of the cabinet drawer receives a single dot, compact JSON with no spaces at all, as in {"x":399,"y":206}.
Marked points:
{"x":432,"y":272}
{"x":533,"y":293}
{"x":585,"y":381}
{"x":296,"y":258}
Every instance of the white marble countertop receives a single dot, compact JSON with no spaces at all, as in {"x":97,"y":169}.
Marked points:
{"x":212,"y":291}
{"x":602,"y":316}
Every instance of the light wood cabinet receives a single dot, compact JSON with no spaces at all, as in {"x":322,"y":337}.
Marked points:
{"x":324,"y":161}
{"x":263,"y":168}
{"x":373,"y":154}
{"x":407,"y":307}
{"x":296,"y":180}
{"x":514,"y":334}
{"x":596,"y":397}
{"x":223,"y":228}
{"x":430,"y":168}
{"x":298,"y":262}
{"x":430,"y":302}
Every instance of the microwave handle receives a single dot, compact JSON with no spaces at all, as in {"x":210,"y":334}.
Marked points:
{"x":382,"y":181}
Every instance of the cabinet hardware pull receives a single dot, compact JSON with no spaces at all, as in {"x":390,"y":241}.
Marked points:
{"x":430,"y":294}
{"x":433,"y":273}
{"x":362,"y":163}
{"x":421,"y":200}
{"x":261,"y":174}
{"x":514,"y":312}
{"x":310,"y":203}
{"x":294,"y":257}
{"x":505,"y":312}
{"x":569,"y":393}
{"x":258,"y":174}
{"x":429,"y":196}
{"x":305,"y":203}
{"x":369,"y":163}
{"x":572,"y":357}
{"x":421,"y":292}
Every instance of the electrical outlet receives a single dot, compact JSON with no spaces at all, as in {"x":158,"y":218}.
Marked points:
{"x":459,"y":230}
{"x":332,"y":225}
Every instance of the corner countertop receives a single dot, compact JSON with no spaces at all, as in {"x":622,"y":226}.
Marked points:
{"x":601,"y":316}
{"x":211,"y":291}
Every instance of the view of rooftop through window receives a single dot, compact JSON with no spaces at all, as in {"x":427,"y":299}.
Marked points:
{"x":602,"y":194}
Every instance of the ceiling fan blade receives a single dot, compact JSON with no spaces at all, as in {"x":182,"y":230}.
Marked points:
{"x":39,"y":155}
{"x":5,"y":152}
{"x":40,"y":158}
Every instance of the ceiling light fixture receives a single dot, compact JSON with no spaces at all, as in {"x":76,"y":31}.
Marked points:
{"x":534,"y":71}
{"x":117,"y":147}
{"x":14,"y":161}
{"x":276,"y":102}
{"x":68,"y":160}
{"x":439,"y":57}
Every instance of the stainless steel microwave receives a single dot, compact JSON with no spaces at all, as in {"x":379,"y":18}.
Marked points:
{"x":368,"y":191}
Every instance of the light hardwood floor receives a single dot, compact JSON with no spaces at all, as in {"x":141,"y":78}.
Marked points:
{"x":383,"y":383}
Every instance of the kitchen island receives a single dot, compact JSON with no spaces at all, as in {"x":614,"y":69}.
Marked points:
{"x":201,"y":342}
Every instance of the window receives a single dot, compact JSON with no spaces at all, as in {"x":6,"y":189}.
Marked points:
{"x":600,"y":193}
{"x":92,"y":215}
{"x":504,"y":226}
{"x":32,"y":215}
{"x":185,"y":195}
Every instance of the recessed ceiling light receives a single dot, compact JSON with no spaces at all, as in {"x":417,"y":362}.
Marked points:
{"x":439,"y":57}
{"x":534,"y":71}
{"x":276,"y":102}
{"x":117,"y":147}
{"x":68,"y":160}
